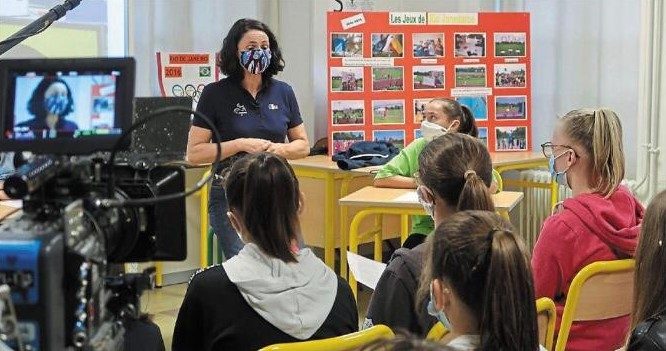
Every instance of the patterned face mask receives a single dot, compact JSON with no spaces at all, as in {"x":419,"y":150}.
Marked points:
{"x":255,"y":61}
{"x":55,"y":104}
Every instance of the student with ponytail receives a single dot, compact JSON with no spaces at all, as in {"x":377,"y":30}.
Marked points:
{"x":441,"y":116}
{"x":477,"y":281}
{"x":599,"y":223}
{"x":455,"y":173}
{"x":272,"y":291}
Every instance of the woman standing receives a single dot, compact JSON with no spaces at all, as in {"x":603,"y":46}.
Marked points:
{"x":252,"y":111}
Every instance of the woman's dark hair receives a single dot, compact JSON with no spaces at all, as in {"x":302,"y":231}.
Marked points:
{"x":228,"y":59}
{"x":458,"y":169}
{"x":488,"y":268}
{"x":650,"y":284}
{"x":36,"y":103}
{"x":462,"y":113}
{"x":264,"y":190}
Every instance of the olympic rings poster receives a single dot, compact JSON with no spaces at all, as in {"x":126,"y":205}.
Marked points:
{"x":186,"y":74}
{"x":384,"y":67}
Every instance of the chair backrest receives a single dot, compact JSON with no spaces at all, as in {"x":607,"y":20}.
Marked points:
{"x":601,"y":290}
{"x":546,"y":316}
{"x":339,"y":343}
{"x":437,"y":332}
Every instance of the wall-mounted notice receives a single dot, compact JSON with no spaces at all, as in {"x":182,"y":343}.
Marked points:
{"x":384,"y":68}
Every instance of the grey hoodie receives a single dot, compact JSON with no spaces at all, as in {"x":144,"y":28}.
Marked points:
{"x":294,"y":297}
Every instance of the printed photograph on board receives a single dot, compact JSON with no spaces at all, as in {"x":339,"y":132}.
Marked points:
{"x":387,"y":45}
{"x":428,"y":77}
{"x":427,"y":45}
{"x":346,"y":44}
{"x":348,"y":112}
{"x":388,"y":112}
{"x":510,"y":107}
{"x":470,"y":45}
{"x":510,"y":138}
{"x":346,"y":78}
{"x":510,"y":44}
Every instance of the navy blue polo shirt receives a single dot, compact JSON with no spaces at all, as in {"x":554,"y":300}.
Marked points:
{"x":237,"y":114}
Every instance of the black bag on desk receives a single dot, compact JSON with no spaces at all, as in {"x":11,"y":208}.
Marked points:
{"x":365,"y":153}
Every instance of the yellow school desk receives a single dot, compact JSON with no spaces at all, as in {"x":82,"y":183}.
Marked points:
{"x":336,"y":184}
{"x":403,"y":202}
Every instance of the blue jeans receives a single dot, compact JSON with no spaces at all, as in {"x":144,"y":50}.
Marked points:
{"x":227,"y":238}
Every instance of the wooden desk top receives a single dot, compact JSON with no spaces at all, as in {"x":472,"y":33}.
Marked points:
{"x":371,"y":196}
{"x":503,"y":159}
{"x":323,"y":162}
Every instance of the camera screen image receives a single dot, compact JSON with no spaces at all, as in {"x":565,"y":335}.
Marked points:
{"x":63,"y":105}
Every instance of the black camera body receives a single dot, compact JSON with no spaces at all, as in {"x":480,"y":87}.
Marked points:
{"x":62,"y":285}
{"x":58,"y":257}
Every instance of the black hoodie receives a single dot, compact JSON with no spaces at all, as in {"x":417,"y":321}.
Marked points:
{"x":393,"y":302}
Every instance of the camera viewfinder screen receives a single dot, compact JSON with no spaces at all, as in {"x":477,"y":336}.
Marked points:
{"x":57,"y":105}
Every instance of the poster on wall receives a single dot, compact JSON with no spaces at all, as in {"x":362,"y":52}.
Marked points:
{"x":186,"y":74}
{"x":384,"y":68}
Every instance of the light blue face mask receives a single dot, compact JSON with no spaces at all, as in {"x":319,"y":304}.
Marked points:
{"x":56,"y":104}
{"x":440,"y":315}
{"x":560,"y":177}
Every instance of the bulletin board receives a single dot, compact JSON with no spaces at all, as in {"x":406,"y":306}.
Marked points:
{"x":383,"y":67}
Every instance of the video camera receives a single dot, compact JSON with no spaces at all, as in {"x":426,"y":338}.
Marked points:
{"x":83,"y":214}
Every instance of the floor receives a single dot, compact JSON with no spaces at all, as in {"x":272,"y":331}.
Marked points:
{"x":163,"y":304}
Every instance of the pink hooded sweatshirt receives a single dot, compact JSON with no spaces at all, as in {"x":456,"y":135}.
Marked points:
{"x":589,"y":228}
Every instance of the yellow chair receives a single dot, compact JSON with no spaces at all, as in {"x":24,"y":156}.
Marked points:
{"x":545,"y":319}
{"x":339,"y":343}
{"x":546,"y":316}
{"x":601,"y":290}
{"x":437,"y":332}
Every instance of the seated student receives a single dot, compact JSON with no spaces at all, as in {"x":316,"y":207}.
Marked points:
{"x":477,"y":275}
{"x":272,"y":291}
{"x":599,"y":223}
{"x":455,"y":172}
{"x":649,"y":315}
{"x":440,"y":116}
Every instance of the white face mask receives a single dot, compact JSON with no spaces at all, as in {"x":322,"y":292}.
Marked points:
{"x":428,"y":206}
{"x":431,"y":130}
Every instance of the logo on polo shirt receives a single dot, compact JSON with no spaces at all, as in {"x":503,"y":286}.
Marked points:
{"x":240,"y":109}
{"x":272,"y":106}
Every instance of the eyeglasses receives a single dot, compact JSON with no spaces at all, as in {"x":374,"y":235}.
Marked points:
{"x":548,"y":149}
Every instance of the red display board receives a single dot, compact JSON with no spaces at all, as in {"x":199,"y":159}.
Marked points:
{"x":384,"y":66}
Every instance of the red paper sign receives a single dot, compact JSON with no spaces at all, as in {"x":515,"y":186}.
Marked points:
{"x":384,"y":67}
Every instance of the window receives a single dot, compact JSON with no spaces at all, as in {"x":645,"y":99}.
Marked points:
{"x":94,"y":28}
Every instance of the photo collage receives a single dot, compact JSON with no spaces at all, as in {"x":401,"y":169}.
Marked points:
{"x":397,"y":70}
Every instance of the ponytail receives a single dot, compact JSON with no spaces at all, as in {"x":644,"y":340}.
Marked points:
{"x":487,"y":267}
{"x":475,"y":195}
{"x":599,"y":133}
{"x":508,"y":318}
{"x":468,"y":122}
{"x":458,"y":169}
{"x":608,"y":154}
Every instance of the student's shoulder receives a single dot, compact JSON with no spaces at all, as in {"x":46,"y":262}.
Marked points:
{"x":559,"y":225}
{"x":212,"y":275}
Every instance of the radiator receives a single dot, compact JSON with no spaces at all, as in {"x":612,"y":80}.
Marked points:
{"x":536,"y":205}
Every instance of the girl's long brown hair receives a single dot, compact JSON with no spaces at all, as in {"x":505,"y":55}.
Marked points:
{"x":264,"y":190}
{"x":458,"y":169}
{"x":650,"y":285}
{"x":488,"y":268}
